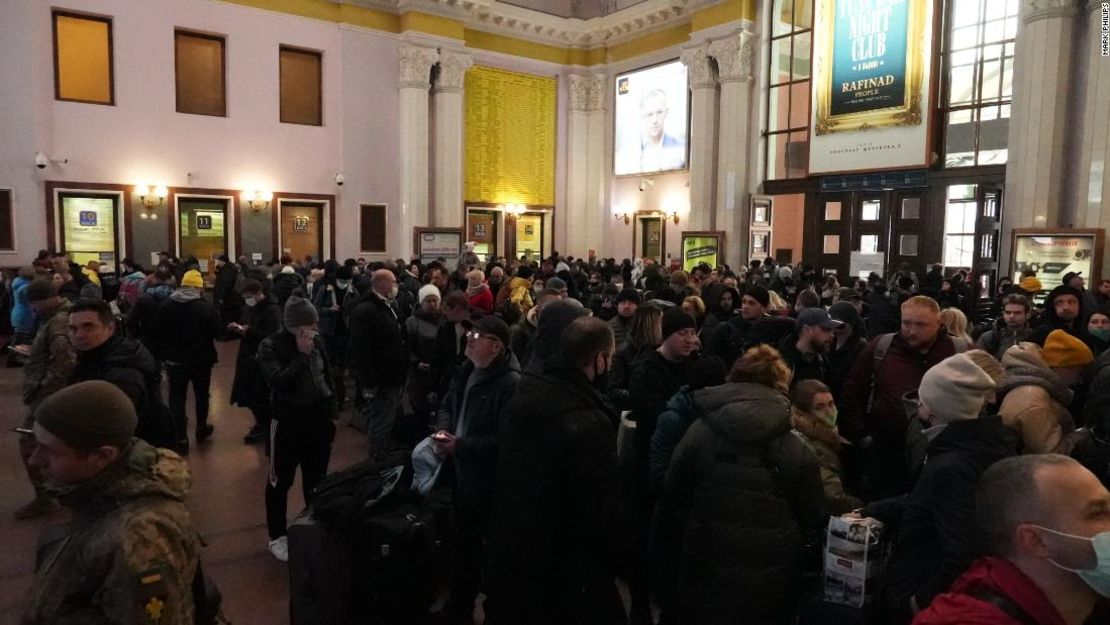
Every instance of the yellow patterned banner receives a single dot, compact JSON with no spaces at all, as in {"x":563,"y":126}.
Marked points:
{"x":510,"y":137}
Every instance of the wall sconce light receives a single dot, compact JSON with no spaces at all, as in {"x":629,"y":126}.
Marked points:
{"x":151,"y":197}
{"x":257,"y":200}
{"x":514,"y":209}
{"x":672,"y":215}
{"x":624,"y":216}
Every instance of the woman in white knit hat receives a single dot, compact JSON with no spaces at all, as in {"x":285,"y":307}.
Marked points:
{"x":936,"y":539}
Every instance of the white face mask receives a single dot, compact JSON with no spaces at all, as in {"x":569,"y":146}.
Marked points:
{"x":393,"y":292}
{"x":250,"y":301}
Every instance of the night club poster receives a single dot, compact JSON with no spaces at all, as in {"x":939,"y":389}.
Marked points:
{"x":871,"y":91}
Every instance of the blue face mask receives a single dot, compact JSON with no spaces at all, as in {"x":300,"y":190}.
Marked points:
{"x":1097,"y":578}
{"x":1101,"y":333}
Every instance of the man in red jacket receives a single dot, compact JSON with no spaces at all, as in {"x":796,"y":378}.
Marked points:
{"x":873,"y":414}
{"x":1046,"y":519}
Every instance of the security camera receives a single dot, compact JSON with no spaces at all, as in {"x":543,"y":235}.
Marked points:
{"x":40,"y":160}
{"x":339,"y":179}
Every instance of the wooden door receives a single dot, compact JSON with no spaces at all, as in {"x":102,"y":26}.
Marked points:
{"x":202,"y":229}
{"x":481,"y":228}
{"x":301,"y":230}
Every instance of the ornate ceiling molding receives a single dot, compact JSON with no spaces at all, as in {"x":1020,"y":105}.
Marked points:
{"x":1034,"y":10}
{"x":496,"y":17}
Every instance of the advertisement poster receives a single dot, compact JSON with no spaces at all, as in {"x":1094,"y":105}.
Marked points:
{"x":446,"y":244}
{"x":651,"y":120}
{"x":1052,"y":256}
{"x":698,"y":248}
{"x":871,"y":84}
{"x":90,"y":230}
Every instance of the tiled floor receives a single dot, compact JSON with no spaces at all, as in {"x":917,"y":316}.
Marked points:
{"x":226,"y":502}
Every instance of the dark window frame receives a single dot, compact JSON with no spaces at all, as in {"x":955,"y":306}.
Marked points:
{"x":976,"y":105}
{"x":385,"y":227}
{"x":223,"y":69}
{"x":7,"y":239}
{"x":54,"y":15}
{"x":768,"y":134}
{"x":282,"y":48}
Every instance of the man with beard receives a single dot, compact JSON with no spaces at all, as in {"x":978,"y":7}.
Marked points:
{"x":1062,"y":311}
{"x":807,"y":350}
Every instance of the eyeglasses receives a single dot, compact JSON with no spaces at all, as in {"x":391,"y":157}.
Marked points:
{"x":474,"y":335}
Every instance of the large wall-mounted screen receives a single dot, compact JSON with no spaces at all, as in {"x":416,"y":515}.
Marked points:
{"x":652,"y":113}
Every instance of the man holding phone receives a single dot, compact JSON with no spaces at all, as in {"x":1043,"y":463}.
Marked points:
{"x":466,"y":436}
{"x":296,"y":369}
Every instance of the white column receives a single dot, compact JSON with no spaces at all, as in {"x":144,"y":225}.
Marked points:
{"x":415,"y":82}
{"x":597,"y":211}
{"x":585,"y":164}
{"x":734,"y":64}
{"x":448,"y":149}
{"x":703,"y":137}
{"x":1093,"y":180}
{"x":1035,"y":184}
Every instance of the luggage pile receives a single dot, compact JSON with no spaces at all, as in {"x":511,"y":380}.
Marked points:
{"x":368,"y":549}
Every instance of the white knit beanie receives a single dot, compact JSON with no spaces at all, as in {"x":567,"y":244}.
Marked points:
{"x":426,"y":291}
{"x":955,"y":389}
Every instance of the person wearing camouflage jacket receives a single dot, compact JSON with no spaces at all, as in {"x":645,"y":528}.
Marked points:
{"x":130,"y":553}
{"x":48,"y":369}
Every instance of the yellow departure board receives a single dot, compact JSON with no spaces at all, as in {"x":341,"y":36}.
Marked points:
{"x":510,"y":137}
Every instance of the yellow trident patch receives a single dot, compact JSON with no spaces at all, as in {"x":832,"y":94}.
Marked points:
{"x":154,"y":609}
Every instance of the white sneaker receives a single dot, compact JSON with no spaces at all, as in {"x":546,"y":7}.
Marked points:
{"x":280,"y":549}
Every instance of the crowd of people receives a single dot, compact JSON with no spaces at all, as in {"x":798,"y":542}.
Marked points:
{"x":686,"y":433}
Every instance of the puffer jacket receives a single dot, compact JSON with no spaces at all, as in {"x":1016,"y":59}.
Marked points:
{"x":680,"y":413}
{"x":187,"y":324}
{"x":934,"y":544}
{"x":422,"y":331}
{"x":132,"y":368}
{"x":130,"y":550}
{"x":1035,"y":401}
{"x":1001,"y":338}
{"x":825,"y":442}
{"x":475,"y":457}
{"x":750,"y":491}
{"x":22,"y":317}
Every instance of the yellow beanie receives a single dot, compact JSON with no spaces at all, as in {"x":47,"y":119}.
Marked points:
{"x":1030,"y":285}
{"x":1064,"y":350}
{"x":192,"y":278}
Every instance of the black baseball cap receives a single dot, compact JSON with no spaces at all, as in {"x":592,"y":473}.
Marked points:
{"x":816,"y":317}
{"x":490,"y":326}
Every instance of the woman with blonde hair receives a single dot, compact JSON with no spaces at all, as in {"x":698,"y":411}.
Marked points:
{"x":695,"y":307}
{"x":955,"y":321}
{"x":749,"y":490}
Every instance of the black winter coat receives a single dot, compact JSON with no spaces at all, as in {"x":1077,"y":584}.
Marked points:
{"x":654,"y":381}
{"x":620,"y":376}
{"x":140,"y":319}
{"x":262,"y":320}
{"x":376,"y":345}
{"x":555,"y":523}
{"x":804,"y":366}
{"x":750,"y":492}
{"x":935,"y":541}
{"x":186,"y":331}
{"x":475,"y":457}
{"x":287,"y":377}
{"x":223,"y":292}
{"x":131,"y":367}
{"x":284,"y":285}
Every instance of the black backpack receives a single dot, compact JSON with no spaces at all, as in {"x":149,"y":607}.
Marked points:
{"x":343,"y":500}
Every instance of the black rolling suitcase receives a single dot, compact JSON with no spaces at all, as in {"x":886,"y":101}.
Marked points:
{"x":320,"y":574}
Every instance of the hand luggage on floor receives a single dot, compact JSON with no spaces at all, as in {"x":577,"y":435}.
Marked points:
{"x":319,"y":574}
{"x":397,"y":564}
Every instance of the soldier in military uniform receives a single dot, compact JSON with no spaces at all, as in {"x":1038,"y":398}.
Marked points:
{"x":48,"y":369}
{"x":130,"y":553}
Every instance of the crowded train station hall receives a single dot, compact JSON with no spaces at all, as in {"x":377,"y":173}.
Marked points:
{"x":555,"y":312}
